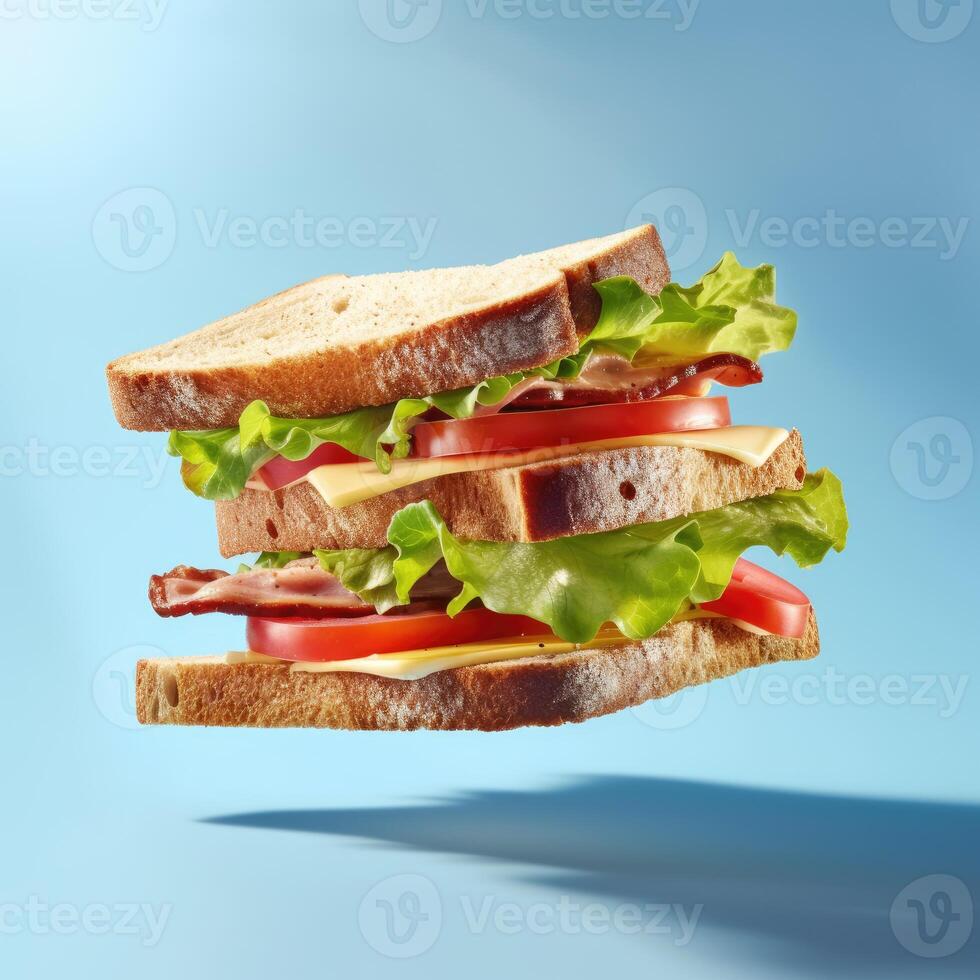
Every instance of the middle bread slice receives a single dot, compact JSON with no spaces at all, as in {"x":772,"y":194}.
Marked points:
{"x":581,"y":494}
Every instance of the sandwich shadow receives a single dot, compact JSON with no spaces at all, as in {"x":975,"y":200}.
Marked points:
{"x":787,"y":879}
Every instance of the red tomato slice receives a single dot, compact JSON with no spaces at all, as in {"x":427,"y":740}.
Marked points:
{"x":346,"y":639}
{"x":762,"y":599}
{"x":280,"y":472}
{"x":563,"y":426}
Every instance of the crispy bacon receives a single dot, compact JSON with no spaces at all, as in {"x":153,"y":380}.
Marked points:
{"x":611,"y":379}
{"x":301,"y":589}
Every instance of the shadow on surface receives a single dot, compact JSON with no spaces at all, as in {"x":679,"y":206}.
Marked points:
{"x":806,"y":882}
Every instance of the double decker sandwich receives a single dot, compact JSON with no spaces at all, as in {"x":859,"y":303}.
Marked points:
{"x":482,"y":497}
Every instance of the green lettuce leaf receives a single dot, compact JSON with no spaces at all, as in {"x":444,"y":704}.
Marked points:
{"x":731,"y":310}
{"x":804,"y":523}
{"x":215,"y":464}
{"x":367,"y":572}
{"x":567,"y":583}
{"x":637,"y":578}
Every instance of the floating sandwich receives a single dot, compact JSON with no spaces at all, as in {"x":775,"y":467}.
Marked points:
{"x":482,"y":497}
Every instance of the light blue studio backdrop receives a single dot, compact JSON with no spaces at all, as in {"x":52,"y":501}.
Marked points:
{"x":763,"y":826}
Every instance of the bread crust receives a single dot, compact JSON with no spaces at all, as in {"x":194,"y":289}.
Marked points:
{"x":546,"y":690}
{"x":598,"y":491}
{"x":640,"y":257}
{"x":501,"y":337}
{"x":450,"y":353}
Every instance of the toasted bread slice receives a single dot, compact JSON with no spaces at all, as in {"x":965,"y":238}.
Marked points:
{"x":545,"y":690}
{"x":597,"y":491}
{"x":340,"y":343}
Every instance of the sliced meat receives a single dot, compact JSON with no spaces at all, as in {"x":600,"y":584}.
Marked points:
{"x":607,"y":380}
{"x":301,"y":589}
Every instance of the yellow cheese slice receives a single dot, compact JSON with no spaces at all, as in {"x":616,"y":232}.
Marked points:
{"x":411,"y":665}
{"x":343,"y":484}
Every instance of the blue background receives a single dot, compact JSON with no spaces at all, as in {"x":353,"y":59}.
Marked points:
{"x":795,"y":820}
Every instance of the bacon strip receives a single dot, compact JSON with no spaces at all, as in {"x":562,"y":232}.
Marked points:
{"x":301,"y":589}
{"x":608,"y":380}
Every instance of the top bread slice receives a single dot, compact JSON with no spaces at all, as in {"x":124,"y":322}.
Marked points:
{"x":339,"y":343}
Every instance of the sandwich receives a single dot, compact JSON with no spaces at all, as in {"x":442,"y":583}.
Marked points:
{"x":482,"y":497}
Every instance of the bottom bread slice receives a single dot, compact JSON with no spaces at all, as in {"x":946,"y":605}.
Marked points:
{"x":545,"y":690}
